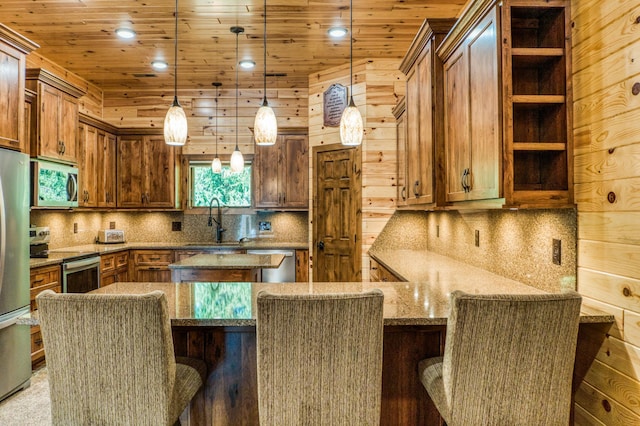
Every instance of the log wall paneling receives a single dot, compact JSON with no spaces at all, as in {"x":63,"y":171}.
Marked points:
{"x":378,"y":85}
{"x":606,"y":48}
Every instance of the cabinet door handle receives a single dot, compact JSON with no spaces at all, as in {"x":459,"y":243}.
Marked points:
{"x":403,"y":193}
{"x":64,"y":148}
{"x":416,"y":185}
{"x":463,"y":180}
{"x":466,"y":180}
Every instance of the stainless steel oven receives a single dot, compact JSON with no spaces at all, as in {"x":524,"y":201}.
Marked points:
{"x":81,"y":275}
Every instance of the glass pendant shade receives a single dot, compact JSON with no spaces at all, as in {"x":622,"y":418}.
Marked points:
{"x":351,"y":128}
{"x":265,"y":127}
{"x":216,"y":165}
{"x":237,"y":161}
{"x":175,"y":125}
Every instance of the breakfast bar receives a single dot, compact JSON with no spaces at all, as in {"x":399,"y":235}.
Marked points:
{"x":223,"y":267}
{"x":215,"y":321}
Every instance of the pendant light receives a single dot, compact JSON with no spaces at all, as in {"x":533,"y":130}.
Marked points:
{"x":265,"y":126}
{"x":237,"y":160}
{"x":175,"y":122}
{"x":216,"y":164}
{"x":351,"y":120}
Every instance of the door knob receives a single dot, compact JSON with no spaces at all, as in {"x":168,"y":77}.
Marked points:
{"x":321,"y":245}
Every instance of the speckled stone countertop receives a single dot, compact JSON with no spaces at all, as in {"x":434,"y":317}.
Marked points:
{"x":405,"y":304}
{"x":229,"y":261}
{"x":59,"y":255}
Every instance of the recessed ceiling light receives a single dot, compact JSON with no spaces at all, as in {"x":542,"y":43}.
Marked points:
{"x":247,"y":64}
{"x":337,"y":32}
{"x":125,"y":33}
{"x":159,"y":65}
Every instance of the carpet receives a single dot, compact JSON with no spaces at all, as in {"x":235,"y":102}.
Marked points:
{"x":28,"y":407}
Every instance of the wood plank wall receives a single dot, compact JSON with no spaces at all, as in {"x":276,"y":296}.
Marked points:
{"x":377,"y":85}
{"x":606,"y":65}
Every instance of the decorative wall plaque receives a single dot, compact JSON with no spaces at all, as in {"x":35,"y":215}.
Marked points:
{"x":335,"y":101}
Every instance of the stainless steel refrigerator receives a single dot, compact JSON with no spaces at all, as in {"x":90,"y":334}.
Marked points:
{"x":15,"y":344}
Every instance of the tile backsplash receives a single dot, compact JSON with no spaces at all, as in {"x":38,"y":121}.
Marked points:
{"x":158,"y":226}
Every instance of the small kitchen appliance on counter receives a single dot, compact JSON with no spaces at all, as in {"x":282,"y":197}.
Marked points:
{"x":39,"y":241}
{"x":110,"y":236}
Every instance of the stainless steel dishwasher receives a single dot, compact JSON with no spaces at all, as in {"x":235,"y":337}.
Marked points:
{"x":286,"y":273}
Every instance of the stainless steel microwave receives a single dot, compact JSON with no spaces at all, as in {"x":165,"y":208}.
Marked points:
{"x":53,"y":184}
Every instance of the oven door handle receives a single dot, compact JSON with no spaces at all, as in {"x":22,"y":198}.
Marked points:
{"x":77,"y":265}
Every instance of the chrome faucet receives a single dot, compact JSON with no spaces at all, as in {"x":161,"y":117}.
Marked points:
{"x":218,"y":221}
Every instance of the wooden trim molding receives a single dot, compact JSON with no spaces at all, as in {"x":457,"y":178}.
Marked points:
{"x":53,"y":80}
{"x":425,"y":33}
{"x":97,"y":123}
{"x":16,"y":40}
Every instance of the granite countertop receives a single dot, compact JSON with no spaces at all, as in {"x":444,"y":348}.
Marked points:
{"x":405,"y":304}
{"x":229,"y":261}
{"x":57,"y":256}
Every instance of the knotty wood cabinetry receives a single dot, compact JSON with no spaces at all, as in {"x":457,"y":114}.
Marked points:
{"x":472,"y":131}
{"x":151,"y":265}
{"x":114,"y":267}
{"x":146,"y":172}
{"x":424,"y":113}
{"x":43,"y":278}
{"x":508,"y":113}
{"x":400,"y":113}
{"x":281,"y":172}
{"x":13,"y":51}
{"x":378,"y":273}
{"x":55,"y":129}
{"x":97,"y":163}
{"x":302,"y":266}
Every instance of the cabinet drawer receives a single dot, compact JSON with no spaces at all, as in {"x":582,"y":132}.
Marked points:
{"x":55,"y":286}
{"x":36,"y":340}
{"x":44,"y":276}
{"x":151,"y":257}
{"x":107,"y":263}
{"x":122,"y":259}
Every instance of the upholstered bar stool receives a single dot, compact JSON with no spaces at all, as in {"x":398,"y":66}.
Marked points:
{"x":508,"y":360}
{"x":110,"y":360}
{"x":319,"y":359}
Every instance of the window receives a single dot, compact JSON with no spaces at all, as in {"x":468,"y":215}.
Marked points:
{"x":232,"y":189}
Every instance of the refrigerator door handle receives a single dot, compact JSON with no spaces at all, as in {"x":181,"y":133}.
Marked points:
{"x":3,"y":235}
{"x":14,"y":318}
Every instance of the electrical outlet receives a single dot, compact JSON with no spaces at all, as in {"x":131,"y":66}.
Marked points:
{"x":557,"y":251}
{"x":438,"y":231}
{"x":477,"y":238}
{"x":176,"y":226}
{"x":112,"y":225}
{"x":264,"y":226}
{"x":75,"y":227}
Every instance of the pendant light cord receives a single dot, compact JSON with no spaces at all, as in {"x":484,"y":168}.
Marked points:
{"x":237,"y":34}
{"x":175,"y":60}
{"x":351,"y":46}
{"x":265,"y":53}
{"x":217,"y":122}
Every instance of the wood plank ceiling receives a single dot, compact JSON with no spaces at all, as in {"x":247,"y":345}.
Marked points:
{"x":80,"y":36}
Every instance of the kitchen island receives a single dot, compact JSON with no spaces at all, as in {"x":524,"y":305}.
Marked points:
{"x":223,"y":267}
{"x":216,"y":322}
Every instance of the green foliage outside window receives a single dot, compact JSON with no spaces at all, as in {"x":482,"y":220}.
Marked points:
{"x":232,"y":189}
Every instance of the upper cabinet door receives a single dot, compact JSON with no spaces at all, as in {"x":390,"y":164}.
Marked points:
{"x":295,"y":181}
{"x":130,"y":171}
{"x":12,"y":95}
{"x":160,"y":173}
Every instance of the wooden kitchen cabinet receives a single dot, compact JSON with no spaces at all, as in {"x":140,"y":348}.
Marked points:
{"x":399,"y":112}
{"x":42,"y":278}
{"x":114,"y":267}
{"x":423,"y":118}
{"x":13,"y":51}
{"x":97,"y":164}
{"x":302,"y":266}
{"x":508,"y":113}
{"x":55,"y":129}
{"x":151,"y":265}
{"x":281,"y":172}
{"x":378,"y":273}
{"x":146,"y":175}
{"x":472,"y":112}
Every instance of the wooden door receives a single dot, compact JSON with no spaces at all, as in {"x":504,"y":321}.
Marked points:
{"x":295,"y":176}
{"x":88,"y":165}
{"x":11,"y":89}
{"x":160,"y":172}
{"x":337,"y":214}
{"x":456,"y":113}
{"x":485,"y":113}
{"x":68,"y":127}
{"x":49,"y":121}
{"x":425,"y":171}
{"x":413,"y":137}
{"x":130,"y":171}
{"x":106,"y":170}
{"x":266,"y":172}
